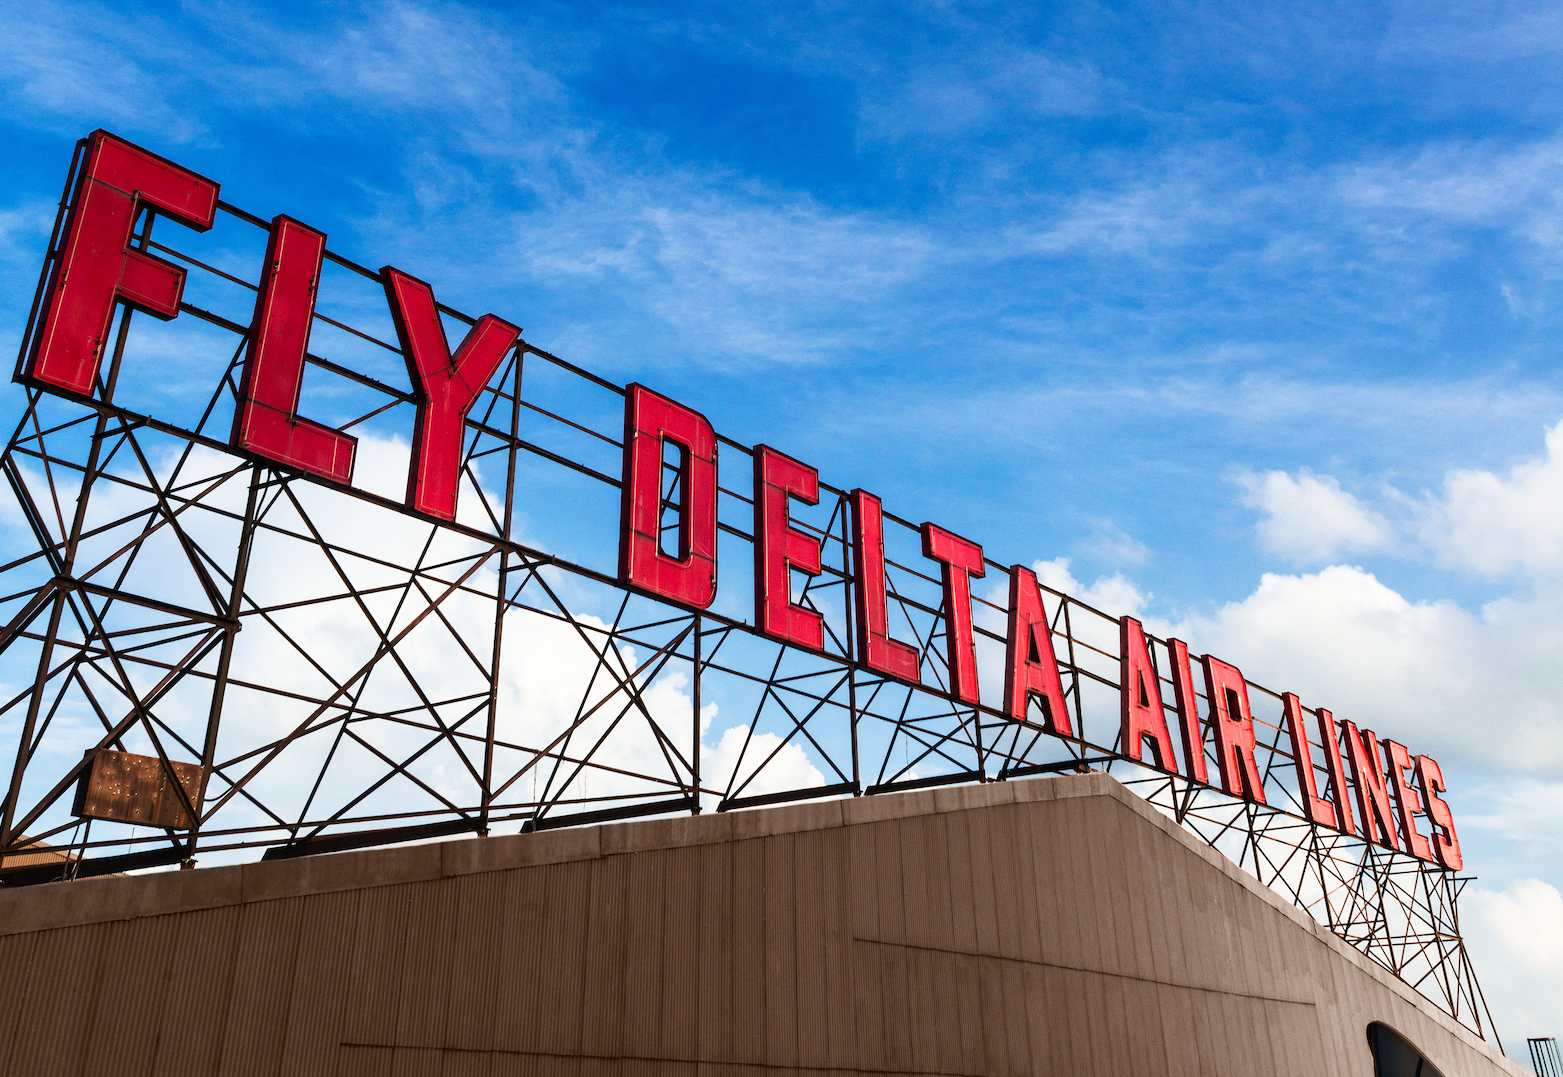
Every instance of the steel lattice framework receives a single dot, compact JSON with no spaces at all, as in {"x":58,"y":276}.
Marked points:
{"x":346,"y":674}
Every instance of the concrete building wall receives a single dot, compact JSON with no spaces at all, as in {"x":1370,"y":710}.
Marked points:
{"x":1055,"y":926}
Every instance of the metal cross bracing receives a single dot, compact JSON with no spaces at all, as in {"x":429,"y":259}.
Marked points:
{"x":347,"y":674}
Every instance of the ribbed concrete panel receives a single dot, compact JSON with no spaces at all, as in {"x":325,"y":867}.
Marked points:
{"x":317,"y":1009}
{"x":16,"y":957}
{"x":194,"y":1003}
{"x":56,"y":1012}
{"x":1057,"y":926}
{"x":136,"y":965}
{"x":262,"y":985}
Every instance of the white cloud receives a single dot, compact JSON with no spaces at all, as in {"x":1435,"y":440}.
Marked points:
{"x":1309,"y":518}
{"x":1110,"y":543}
{"x":1482,"y":688}
{"x":1494,"y":524}
{"x":1114,"y":595}
{"x":790,"y":769}
{"x":1515,"y":938}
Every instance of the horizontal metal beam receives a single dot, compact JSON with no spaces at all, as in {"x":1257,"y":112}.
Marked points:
{"x":33,"y":874}
{"x":811,"y":793}
{"x":367,"y":839}
{"x":608,"y":815}
{"x":924,"y":783}
{"x":1065,"y":766}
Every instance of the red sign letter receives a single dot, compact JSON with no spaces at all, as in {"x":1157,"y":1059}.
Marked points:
{"x":266,"y":420}
{"x":1446,"y":846}
{"x":876,"y":650}
{"x":689,"y":578}
{"x":1316,"y":808}
{"x":961,"y":560}
{"x":447,"y":386}
{"x":779,"y":548}
{"x":1331,"y":741}
{"x":1031,"y":669}
{"x":1233,"y":724}
{"x":1140,"y":695}
{"x":1188,"y":711}
{"x":95,"y":268}
{"x":1372,"y":794}
{"x":1407,"y":804}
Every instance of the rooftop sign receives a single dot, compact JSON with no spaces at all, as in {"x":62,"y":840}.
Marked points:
{"x":228,"y":628}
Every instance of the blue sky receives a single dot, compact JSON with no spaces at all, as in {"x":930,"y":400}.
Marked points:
{"x":1187,"y":294}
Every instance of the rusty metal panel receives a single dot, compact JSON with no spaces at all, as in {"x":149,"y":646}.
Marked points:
{"x":129,"y":788}
{"x":262,"y":985}
{"x":318,"y":1003}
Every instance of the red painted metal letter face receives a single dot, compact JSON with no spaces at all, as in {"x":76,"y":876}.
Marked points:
{"x":1140,"y":711}
{"x":1315,"y":807}
{"x":266,"y":421}
{"x":1233,"y":724}
{"x":961,"y":560}
{"x":1372,"y":794}
{"x":876,"y":650}
{"x":1329,"y":737}
{"x":447,"y":385}
{"x":779,"y":548}
{"x":1031,"y":670}
{"x":1188,"y":711}
{"x":689,"y":578}
{"x":96,"y":268}
{"x":1446,"y":845}
{"x":1407,"y":804}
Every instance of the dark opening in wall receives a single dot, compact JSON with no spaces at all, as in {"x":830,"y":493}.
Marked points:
{"x":1396,"y":1056}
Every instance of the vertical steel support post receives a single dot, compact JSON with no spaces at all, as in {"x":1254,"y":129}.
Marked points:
{"x":241,"y":569}
{"x":68,"y":561}
{"x":694,"y":751}
{"x":518,"y":357}
{"x":848,"y":581}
